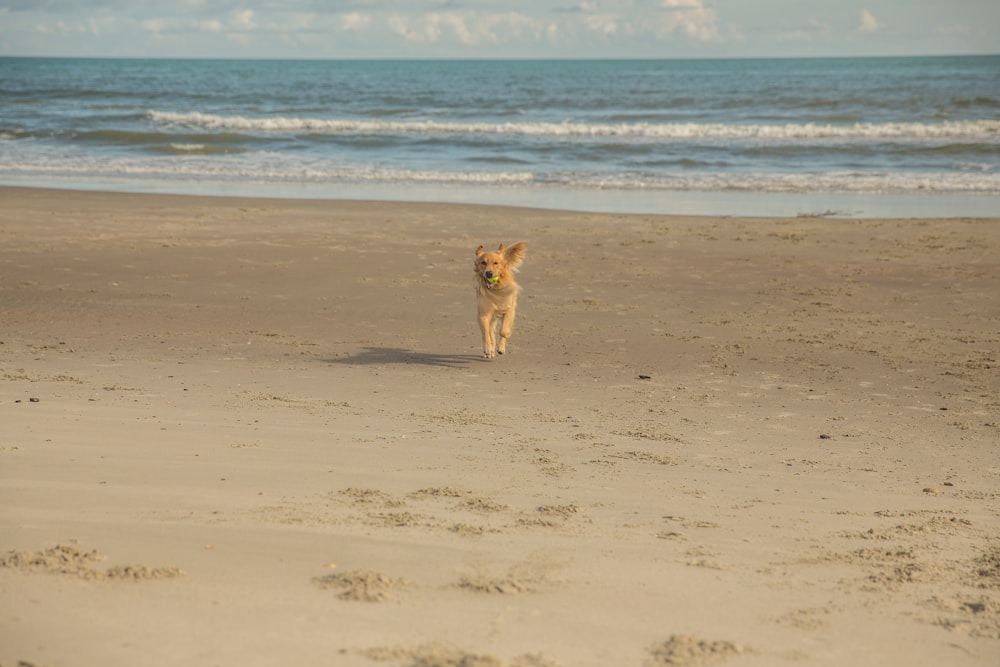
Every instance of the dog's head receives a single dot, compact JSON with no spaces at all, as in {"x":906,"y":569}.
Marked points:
{"x":496,"y":269}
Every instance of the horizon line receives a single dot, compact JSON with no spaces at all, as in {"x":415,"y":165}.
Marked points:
{"x":494,"y":58}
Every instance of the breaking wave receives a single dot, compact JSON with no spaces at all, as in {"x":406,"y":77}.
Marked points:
{"x":974,"y":130}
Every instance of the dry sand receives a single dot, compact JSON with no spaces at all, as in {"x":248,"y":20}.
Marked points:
{"x":257,"y":432}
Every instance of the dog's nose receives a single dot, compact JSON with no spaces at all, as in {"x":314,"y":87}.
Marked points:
{"x":489,"y":274}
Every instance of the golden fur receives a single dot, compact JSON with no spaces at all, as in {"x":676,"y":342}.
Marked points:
{"x":496,"y":294}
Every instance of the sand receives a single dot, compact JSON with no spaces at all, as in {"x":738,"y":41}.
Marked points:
{"x":261,"y":432}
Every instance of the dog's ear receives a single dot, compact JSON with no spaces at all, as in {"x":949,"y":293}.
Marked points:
{"x":514,"y":254}
{"x":479,"y":251}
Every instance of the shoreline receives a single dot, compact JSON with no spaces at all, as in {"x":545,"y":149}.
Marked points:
{"x":718,"y":204}
{"x":264,"y":426}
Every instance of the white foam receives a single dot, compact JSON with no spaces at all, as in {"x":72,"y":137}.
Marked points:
{"x":287,"y":171}
{"x":30,"y":159}
{"x":973,"y":130}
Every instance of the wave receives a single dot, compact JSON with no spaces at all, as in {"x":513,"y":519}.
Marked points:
{"x":127,"y":138}
{"x":250,"y":173}
{"x":966,"y":182}
{"x":971,"y":130}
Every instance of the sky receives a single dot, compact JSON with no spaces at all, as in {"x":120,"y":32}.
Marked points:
{"x":496,"y":29}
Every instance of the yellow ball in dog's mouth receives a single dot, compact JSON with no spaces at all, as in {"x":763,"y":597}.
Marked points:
{"x":493,"y":280}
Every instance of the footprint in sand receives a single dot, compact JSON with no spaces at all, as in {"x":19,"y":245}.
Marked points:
{"x":63,"y":559}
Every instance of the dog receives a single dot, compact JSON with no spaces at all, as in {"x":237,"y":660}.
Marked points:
{"x":496,"y":295}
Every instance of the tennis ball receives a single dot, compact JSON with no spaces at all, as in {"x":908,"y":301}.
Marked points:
{"x":493,"y":279}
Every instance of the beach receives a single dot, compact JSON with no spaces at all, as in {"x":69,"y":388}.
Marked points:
{"x":242,"y":431}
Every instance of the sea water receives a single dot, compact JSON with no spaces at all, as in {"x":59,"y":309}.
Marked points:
{"x":868,"y":136}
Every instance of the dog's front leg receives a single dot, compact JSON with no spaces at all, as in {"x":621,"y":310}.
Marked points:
{"x":506,"y":327}
{"x":489,"y":342}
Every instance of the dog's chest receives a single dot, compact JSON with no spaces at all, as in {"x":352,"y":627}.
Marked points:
{"x":501,"y":299}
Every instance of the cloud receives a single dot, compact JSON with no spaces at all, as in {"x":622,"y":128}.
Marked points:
{"x":582,"y":7}
{"x":211,"y":25}
{"x":456,"y":24}
{"x":621,"y":22}
{"x":354,"y":22}
{"x":605,"y":24}
{"x":466,"y":28}
{"x":403,"y":26}
{"x":867,"y":22}
{"x":485,"y":28}
{"x":682,"y":4}
{"x":690,"y":17}
{"x":244,"y":19}
{"x":92,"y":26}
{"x":153,"y":25}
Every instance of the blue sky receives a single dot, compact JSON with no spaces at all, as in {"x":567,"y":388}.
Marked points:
{"x":497,"y":29}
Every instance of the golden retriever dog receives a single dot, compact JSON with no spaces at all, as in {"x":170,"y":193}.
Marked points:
{"x":496,"y":294}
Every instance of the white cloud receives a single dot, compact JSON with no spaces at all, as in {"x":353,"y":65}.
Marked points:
{"x":153,"y":25}
{"x":398,"y":25}
{"x":244,"y":19}
{"x":669,"y":17}
{"x":354,"y":22}
{"x":690,"y":17}
{"x":489,"y":28}
{"x":401,"y":25}
{"x":867,"y":22}
{"x":465,"y":28}
{"x":457,"y":26}
{"x":606,"y":24}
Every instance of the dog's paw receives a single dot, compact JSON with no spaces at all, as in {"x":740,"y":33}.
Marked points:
{"x":488,"y":355}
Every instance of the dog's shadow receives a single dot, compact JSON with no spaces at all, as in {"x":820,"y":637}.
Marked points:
{"x":372,"y":356}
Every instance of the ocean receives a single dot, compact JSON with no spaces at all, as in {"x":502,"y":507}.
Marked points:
{"x":866,"y":136}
